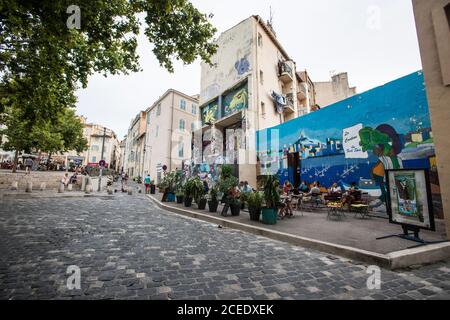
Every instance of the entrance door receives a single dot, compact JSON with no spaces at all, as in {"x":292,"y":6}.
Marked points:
{"x":294,"y":169}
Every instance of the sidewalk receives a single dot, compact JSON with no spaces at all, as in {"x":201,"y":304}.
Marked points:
{"x":347,"y":235}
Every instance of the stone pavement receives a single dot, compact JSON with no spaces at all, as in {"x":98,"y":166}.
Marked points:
{"x":127,"y":248}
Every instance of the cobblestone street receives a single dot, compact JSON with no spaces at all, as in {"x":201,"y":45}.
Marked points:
{"x":129,"y":249}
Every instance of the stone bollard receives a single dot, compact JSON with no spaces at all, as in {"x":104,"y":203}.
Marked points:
{"x":29,"y":187}
{"x":43,"y":186}
{"x":61,"y":188}
{"x":130,"y":191}
{"x":70,"y":187}
{"x":89,"y":188}
{"x":15,"y":185}
{"x":110,"y":190}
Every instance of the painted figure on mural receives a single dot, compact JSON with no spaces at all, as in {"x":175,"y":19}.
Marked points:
{"x":386,"y":144}
{"x":238,"y":102}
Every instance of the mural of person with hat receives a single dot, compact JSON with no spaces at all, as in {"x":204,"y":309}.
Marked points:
{"x":385,"y":143}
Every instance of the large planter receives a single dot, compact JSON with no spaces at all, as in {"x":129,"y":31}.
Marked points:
{"x":269,"y":216}
{"x":235,"y":209}
{"x":171,"y":197}
{"x":188,"y":202}
{"x":255,"y":213}
{"x":213,"y":205}
{"x":180,"y":199}
{"x":153,"y":189}
{"x":202,"y":204}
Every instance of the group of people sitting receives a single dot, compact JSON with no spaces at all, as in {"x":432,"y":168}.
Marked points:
{"x":315,"y":191}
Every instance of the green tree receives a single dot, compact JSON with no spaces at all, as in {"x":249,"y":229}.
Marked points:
{"x":42,"y":61}
{"x":58,"y":136}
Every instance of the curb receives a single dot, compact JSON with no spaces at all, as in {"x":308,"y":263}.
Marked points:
{"x":394,"y":260}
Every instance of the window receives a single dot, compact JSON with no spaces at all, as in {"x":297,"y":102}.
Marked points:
{"x":260,"y":42}
{"x":194,"y":109}
{"x":263,"y":109}
{"x":148,"y":118}
{"x":157,"y":132}
{"x":180,"y":148}
{"x":261,"y":77}
{"x":192,"y":126}
{"x":158,"y":110}
{"x":94,"y":159}
{"x":182,"y":104}
{"x":95,"y":148}
{"x":182,"y":125}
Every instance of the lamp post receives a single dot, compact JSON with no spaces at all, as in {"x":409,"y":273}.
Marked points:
{"x":102,"y":162}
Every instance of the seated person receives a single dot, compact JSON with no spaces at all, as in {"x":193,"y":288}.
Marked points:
{"x":335,"y":189}
{"x":303,"y":189}
{"x":287,"y":188}
{"x":350,"y":196}
{"x":315,"y":190}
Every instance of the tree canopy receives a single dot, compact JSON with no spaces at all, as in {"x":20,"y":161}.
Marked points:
{"x":44,"y":59}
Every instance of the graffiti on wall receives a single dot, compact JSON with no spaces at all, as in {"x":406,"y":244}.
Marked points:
{"x":235,"y":100}
{"x":358,"y":139}
{"x":242,"y":66}
{"x":210,"y":113}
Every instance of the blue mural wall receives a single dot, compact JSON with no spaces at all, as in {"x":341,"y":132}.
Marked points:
{"x":356,"y":139}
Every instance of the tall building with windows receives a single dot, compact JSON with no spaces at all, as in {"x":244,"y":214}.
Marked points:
{"x":251,"y":85}
{"x":171,"y":121}
{"x":135,"y":146}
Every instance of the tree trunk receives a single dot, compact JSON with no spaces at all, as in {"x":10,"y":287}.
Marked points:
{"x":16,"y":161}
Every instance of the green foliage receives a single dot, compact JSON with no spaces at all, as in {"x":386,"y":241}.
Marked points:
{"x":225,"y":185}
{"x":43,"y":62}
{"x":271,"y":193}
{"x":227,"y":171}
{"x":255,"y":200}
{"x":169,"y":183}
{"x":189,"y":188}
{"x":198,"y":190}
{"x":214,"y":194}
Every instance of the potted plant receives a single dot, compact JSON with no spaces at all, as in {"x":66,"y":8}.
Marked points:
{"x":213,"y":202}
{"x":199,"y":194}
{"x":271,"y":200}
{"x":243,"y":199}
{"x":152,"y":187}
{"x":180,"y":195}
{"x":189,"y":192}
{"x":235,"y":204}
{"x":255,"y":202}
{"x":169,"y":184}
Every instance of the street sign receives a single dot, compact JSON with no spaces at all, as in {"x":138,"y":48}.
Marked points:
{"x":102,"y":163}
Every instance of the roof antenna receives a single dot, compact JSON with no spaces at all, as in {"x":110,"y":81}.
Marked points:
{"x":270,"y":22}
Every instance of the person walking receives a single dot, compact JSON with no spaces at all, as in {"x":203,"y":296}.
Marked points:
{"x":147,"y":182}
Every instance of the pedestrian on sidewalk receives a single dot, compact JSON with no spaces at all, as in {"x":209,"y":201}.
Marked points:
{"x":147,"y":183}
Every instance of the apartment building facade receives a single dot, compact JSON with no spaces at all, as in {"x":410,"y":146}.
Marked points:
{"x":433,"y":30}
{"x":252,"y":84}
{"x":100,"y":139}
{"x":330,"y":92}
{"x":135,"y":146}
{"x":171,"y":121}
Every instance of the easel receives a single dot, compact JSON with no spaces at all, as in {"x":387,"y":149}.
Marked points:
{"x":414,"y":236}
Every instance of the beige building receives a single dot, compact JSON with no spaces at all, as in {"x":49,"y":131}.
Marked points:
{"x":135,"y":146}
{"x":171,"y":121}
{"x":338,"y":89}
{"x":100,"y":139}
{"x":433,"y":30}
{"x":252,"y":85}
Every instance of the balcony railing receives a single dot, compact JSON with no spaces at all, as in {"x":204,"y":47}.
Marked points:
{"x":285,"y":72}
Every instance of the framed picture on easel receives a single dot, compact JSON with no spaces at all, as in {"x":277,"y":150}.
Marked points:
{"x":409,"y":199}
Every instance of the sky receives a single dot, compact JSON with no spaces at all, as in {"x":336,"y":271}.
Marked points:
{"x":374,"y":41}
